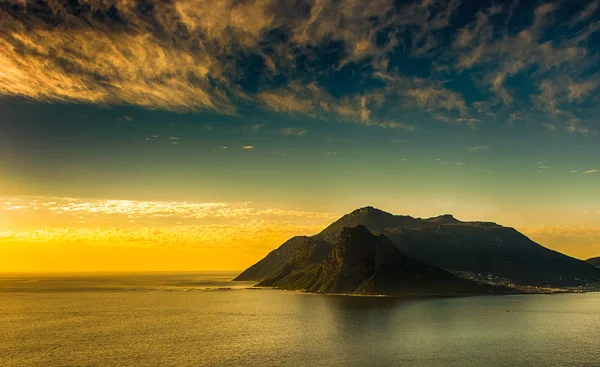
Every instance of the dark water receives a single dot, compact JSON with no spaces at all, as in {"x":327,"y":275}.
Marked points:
{"x":191,"y":320}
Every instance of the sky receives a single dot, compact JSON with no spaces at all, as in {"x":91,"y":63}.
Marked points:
{"x":142,"y":135}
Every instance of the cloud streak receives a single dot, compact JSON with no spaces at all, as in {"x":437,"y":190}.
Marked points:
{"x":132,"y":209}
{"x":215,"y":234}
{"x":478,"y":148}
{"x":292,"y":131}
{"x":294,"y":58}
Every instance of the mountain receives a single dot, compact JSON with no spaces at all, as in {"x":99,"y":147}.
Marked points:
{"x":363,"y":263}
{"x":473,"y":247}
{"x":482,"y":250}
{"x":301,"y":249}
{"x":594,"y":261}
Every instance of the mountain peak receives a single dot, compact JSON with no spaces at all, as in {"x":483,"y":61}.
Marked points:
{"x":443,"y":219}
{"x":368,"y":210}
{"x":375,"y":220}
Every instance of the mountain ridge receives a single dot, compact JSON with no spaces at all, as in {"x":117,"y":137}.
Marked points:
{"x":594,"y":261}
{"x":477,"y":247}
{"x":483,"y":250}
{"x":365,"y":263}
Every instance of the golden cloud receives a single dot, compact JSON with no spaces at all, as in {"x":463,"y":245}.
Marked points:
{"x":166,"y":234}
{"x":477,"y":44}
{"x":261,"y":234}
{"x":429,"y":97}
{"x":176,"y":59}
{"x":133,"y":209}
{"x":315,"y":101}
{"x":68,"y":223}
{"x":100,"y":67}
{"x":183,"y":56}
{"x":197,"y":54}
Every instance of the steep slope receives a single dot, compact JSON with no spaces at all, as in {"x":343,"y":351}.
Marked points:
{"x":594,"y":261}
{"x":474,"y":247}
{"x":300,"y":248}
{"x":500,"y":251}
{"x":363,"y":263}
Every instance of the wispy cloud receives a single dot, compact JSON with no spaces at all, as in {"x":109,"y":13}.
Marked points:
{"x":592,"y":171}
{"x":588,"y":11}
{"x":314,"y":100}
{"x":478,"y":148}
{"x":71,"y":209}
{"x":574,"y":126}
{"x":429,"y":97}
{"x":248,"y":147}
{"x":69,"y":222}
{"x":252,"y":128}
{"x":292,"y":131}
{"x":220,"y":55}
{"x":553,"y":65}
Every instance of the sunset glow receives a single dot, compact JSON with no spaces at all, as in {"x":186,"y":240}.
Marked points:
{"x":68,"y":234}
{"x":193,"y":135}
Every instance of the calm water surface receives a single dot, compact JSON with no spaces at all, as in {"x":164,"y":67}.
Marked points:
{"x":205,"y":320}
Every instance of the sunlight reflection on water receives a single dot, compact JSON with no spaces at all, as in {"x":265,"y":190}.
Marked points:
{"x":59,"y":321}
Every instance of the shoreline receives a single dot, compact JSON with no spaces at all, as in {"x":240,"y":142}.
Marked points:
{"x":424,"y":296}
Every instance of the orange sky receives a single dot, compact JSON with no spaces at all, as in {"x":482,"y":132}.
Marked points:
{"x":67,"y":234}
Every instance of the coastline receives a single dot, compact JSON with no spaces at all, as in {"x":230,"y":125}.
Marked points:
{"x":545,"y":291}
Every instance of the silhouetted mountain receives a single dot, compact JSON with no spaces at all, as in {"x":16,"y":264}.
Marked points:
{"x":482,"y":249}
{"x":475,"y":247}
{"x":301,"y":249}
{"x":363,"y":263}
{"x":594,"y":261}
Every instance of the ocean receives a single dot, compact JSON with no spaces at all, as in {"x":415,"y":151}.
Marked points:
{"x":204,"y":319}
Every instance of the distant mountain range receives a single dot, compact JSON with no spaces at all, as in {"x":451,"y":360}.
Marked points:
{"x":474,"y":249}
{"x":594,"y":261}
